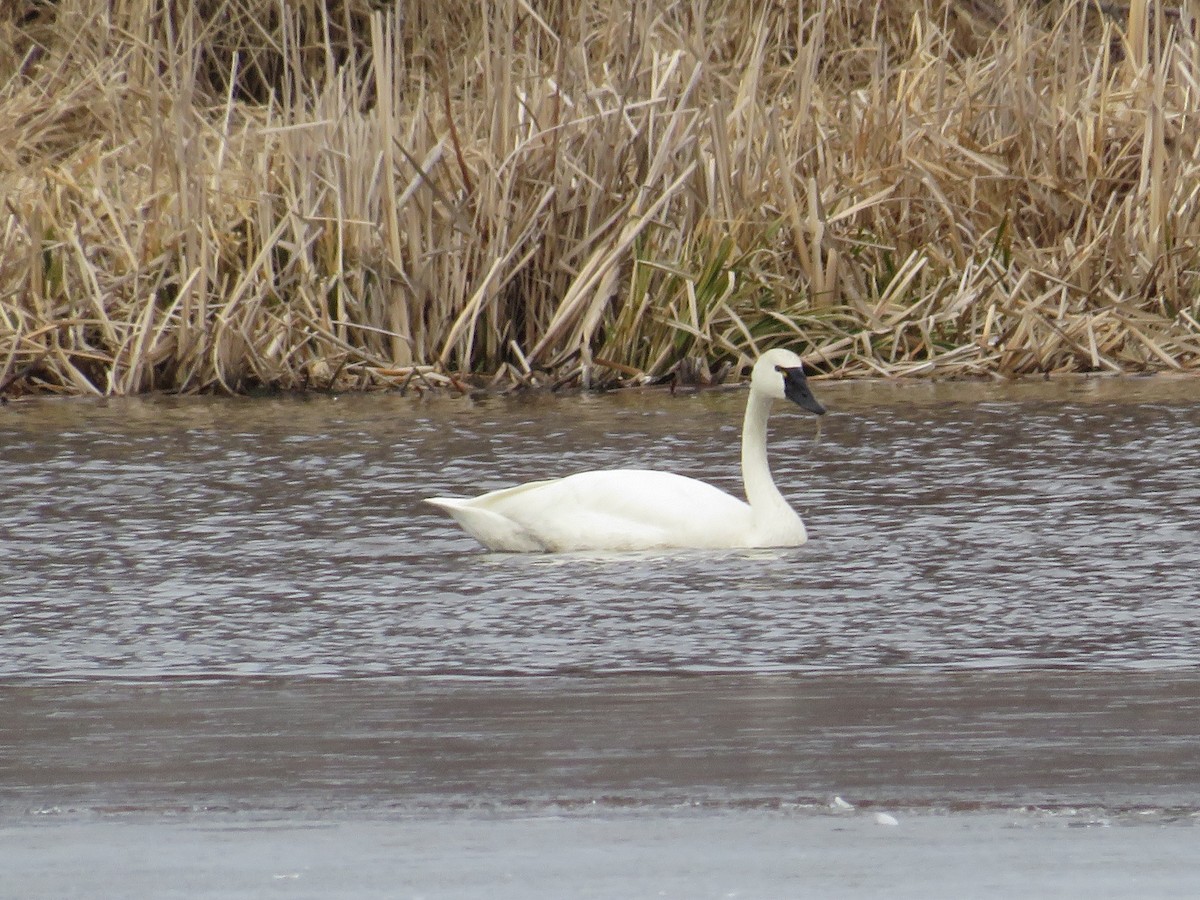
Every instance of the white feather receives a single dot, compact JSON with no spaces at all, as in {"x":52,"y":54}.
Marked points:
{"x":638,"y":509}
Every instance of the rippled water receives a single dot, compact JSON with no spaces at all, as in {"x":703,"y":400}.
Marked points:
{"x":287,"y":537}
{"x":221,"y":606}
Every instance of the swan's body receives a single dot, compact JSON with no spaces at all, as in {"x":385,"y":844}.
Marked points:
{"x":638,"y":509}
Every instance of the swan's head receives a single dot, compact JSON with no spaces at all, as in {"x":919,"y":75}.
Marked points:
{"x":779,"y":374}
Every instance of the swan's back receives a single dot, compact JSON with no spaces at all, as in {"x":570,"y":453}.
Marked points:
{"x":616,"y":509}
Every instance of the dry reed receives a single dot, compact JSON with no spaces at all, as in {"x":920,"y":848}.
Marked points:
{"x":224,"y":194}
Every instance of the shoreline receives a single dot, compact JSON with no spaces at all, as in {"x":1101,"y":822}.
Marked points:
{"x":477,"y":388}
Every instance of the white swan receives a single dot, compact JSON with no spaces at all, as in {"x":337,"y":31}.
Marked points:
{"x":636,"y":509}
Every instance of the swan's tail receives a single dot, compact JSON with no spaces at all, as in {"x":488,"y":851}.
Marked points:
{"x":447,"y":503}
{"x":490,"y":528}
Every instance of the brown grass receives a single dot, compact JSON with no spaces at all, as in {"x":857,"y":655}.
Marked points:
{"x":242,"y":193}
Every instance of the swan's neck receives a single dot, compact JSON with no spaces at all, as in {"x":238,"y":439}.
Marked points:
{"x":761,"y":493}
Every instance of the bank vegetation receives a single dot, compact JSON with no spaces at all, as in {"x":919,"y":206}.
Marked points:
{"x":223,"y":195}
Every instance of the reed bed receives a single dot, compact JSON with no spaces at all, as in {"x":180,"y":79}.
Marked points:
{"x":222,"y":195}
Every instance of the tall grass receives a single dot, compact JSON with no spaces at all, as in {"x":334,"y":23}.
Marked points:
{"x":223,"y":194}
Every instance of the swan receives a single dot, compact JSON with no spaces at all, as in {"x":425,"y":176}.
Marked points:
{"x":638,"y":509}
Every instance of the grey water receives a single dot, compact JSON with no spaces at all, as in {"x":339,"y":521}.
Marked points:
{"x":230,"y":632}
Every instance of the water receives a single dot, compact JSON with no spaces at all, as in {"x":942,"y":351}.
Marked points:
{"x":223,"y":613}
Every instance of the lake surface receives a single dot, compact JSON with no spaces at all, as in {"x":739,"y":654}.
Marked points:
{"x":233,"y":636}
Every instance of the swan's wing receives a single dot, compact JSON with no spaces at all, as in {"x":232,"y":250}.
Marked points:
{"x":620,"y":509}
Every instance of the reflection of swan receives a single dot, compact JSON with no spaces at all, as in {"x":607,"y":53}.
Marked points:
{"x":635,"y":509}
